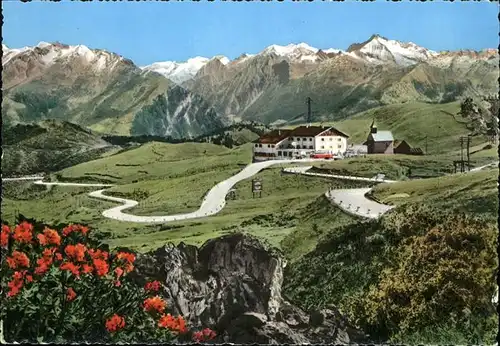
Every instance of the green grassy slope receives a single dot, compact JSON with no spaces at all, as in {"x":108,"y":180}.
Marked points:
{"x":48,"y":146}
{"x":472,"y":193}
{"x":412,"y":122}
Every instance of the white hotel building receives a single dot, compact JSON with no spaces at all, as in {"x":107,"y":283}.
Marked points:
{"x":299,"y":142}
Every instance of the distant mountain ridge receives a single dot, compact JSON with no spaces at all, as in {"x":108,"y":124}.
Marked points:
{"x":100,"y":90}
{"x":108,"y":93}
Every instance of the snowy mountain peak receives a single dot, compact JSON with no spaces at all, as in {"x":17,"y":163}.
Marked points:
{"x":223,"y":59}
{"x":43,"y":44}
{"x":378,"y":49}
{"x":178,"y":72}
{"x":290,"y":50}
{"x":46,"y":54}
{"x":297,"y":52}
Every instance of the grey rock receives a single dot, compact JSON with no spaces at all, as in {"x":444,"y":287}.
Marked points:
{"x":232,"y":284}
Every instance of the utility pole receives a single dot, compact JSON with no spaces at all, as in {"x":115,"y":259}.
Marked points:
{"x":468,"y":152}
{"x":308,"y":101}
{"x":461,"y":154}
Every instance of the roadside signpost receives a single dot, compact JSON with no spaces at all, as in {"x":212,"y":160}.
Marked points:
{"x":257,"y":187}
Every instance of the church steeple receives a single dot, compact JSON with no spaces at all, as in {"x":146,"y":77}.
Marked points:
{"x":373,"y":127}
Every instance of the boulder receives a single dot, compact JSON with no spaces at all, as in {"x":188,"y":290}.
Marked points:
{"x":232,"y":284}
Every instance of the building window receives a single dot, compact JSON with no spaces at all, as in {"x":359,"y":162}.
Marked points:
{"x":256,"y":145}
{"x":291,"y":138}
{"x":279,"y":153}
{"x":272,"y":145}
{"x":339,"y":139}
{"x":311,"y":147}
{"x":310,"y":139}
{"x":322,"y":139}
{"x":260,"y":145}
{"x":322,"y":147}
{"x":331,"y":147}
{"x":331,"y":138}
{"x":304,"y":147}
{"x":340,"y":146}
{"x":304,"y":139}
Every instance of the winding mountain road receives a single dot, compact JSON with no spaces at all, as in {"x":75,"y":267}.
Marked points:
{"x":354,"y":201}
{"x":213,"y":202}
{"x":350,"y":200}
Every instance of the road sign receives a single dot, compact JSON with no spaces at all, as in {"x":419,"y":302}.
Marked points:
{"x":256,"y":185}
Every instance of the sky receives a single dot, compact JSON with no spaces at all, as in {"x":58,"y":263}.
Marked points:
{"x":147,"y":32}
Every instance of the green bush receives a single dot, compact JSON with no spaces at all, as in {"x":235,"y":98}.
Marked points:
{"x":405,"y":275}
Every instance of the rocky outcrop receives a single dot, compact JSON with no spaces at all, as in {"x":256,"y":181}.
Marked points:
{"x":233,"y":285}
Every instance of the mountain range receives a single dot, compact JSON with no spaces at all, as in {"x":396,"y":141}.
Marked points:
{"x":109,"y":93}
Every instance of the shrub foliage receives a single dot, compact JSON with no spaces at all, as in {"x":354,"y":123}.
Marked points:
{"x":406,"y":276}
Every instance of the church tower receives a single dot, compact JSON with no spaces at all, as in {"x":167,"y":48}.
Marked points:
{"x":373,"y":127}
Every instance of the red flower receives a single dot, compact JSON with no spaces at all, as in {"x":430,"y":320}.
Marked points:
{"x":18,"y":259}
{"x":51,"y":236}
{"x":5,"y":236}
{"x":174,"y":324}
{"x":118,"y":272}
{"x":43,"y":265}
{"x":126,"y":256}
{"x":115,"y":323}
{"x":86,"y":269}
{"x":98,"y":254}
{"x":74,"y":228}
{"x":128,"y":260}
{"x":117,"y":283}
{"x":73,"y":268}
{"x":70,"y":294}
{"x":76,"y":252}
{"x":153,"y":286}
{"x":58,"y":256}
{"x":101,"y":267}
{"x":42,"y":240}
{"x":15,"y":284}
{"x":204,"y":335}
{"x":23,"y":232}
{"x":154,"y":304}
{"x":48,"y":253}
{"x":29,"y":278}
{"x":12,"y":263}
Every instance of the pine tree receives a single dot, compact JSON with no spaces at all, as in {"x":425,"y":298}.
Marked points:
{"x":467,"y":108}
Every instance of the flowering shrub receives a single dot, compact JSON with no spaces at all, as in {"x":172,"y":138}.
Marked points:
{"x":61,"y":285}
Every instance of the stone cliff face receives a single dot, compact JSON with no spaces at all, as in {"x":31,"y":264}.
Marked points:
{"x":232,"y":284}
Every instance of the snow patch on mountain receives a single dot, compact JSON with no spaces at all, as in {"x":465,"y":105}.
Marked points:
{"x":50,"y":53}
{"x":178,"y":72}
{"x":299,"y":52}
{"x":333,"y":50}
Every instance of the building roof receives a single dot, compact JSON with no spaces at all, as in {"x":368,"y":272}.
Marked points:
{"x":273,"y":137}
{"x":308,"y":131}
{"x":312,"y":131}
{"x":398,"y":142}
{"x":416,"y":151}
{"x":337,"y":132}
{"x":382,"y":136}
